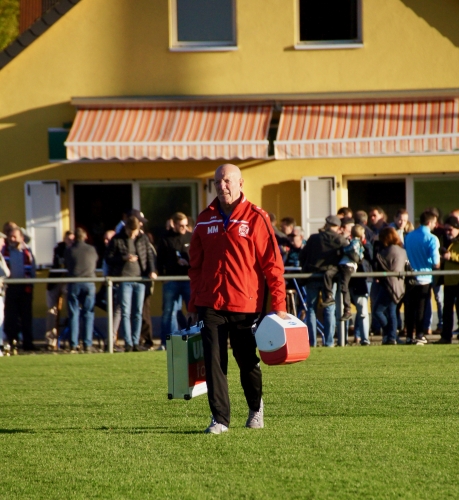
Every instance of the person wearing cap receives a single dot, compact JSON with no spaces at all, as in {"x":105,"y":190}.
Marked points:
{"x":450,"y":257}
{"x":4,"y":273}
{"x":173,"y":260}
{"x":321,"y":252}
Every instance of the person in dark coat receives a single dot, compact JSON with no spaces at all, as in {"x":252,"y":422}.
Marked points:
{"x":81,"y":260}
{"x":321,"y":251}
{"x":129,"y":254}
{"x":391,"y":258}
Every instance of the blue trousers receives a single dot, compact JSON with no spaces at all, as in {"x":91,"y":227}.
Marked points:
{"x":172,"y":292}
{"x":84,"y":295}
{"x":131,"y":295}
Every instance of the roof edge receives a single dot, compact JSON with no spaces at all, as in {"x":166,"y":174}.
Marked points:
{"x":35,"y":31}
{"x":276,"y":100}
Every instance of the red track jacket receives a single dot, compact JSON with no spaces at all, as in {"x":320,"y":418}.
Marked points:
{"x":228,"y":266}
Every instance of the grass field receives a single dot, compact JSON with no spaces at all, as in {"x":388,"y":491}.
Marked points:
{"x":377,"y":422}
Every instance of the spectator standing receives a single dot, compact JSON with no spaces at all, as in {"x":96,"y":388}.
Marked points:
{"x":81,"y":261}
{"x":287,"y":224}
{"x":344,"y":212}
{"x":450,"y":257}
{"x":18,"y":298}
{"x":422,"y":248}
{"x":173,"y":260}
{"x":352,"y":256}
{"x":400,"y":223}
{"x":321,"y":252}
{"x":4,"y":273}
{"x":233,"y":253}
{"x":55,"y":291}
{"x":391,"y":258}
{"x":129,"y":254}
{"x":378,"y":219}
{"x":281,"y":238}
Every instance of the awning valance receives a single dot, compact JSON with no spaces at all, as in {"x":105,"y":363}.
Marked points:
{"x":368,"y":129}
{"x":184,"y":133}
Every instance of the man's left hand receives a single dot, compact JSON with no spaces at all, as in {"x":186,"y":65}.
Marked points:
{"x":282,"y":314}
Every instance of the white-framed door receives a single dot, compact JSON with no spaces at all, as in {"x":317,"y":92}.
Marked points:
{"x":318,"y":201}
{"x":43,"y":218}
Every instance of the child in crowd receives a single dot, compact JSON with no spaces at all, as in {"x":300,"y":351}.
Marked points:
{"x":353,"y":254}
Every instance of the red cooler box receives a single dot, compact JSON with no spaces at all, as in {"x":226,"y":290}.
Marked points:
{"x":282,"y":341}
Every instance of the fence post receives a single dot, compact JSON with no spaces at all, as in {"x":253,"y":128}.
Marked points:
{"x":341,"y":325}
{"x":110,"y":314}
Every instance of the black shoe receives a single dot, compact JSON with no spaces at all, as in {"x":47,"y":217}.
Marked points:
{"x":138,"y":348}
{"x":90,"y":349}
{"x":347,"y":315}
{"x":409,"y":341}
{"x":31,"y":348}
{"x":390,"y":342}
{"x":128,"y":348}
{"x":442,"y":341}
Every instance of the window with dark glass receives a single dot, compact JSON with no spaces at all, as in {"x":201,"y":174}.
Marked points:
{"x":204,"y":23}
{"x":329,"y":20}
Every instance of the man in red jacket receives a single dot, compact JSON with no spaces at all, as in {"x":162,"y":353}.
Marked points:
{"x":233,"y":252}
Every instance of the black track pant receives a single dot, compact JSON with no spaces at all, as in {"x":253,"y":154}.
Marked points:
{"x":218,"y":325}
{"x":414,"y":309}
{"x":18,"y":314}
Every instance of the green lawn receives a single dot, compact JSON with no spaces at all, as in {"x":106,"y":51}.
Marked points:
{"x":377,"y":422}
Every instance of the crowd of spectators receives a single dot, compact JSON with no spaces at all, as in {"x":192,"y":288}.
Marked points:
{"x":369,"y":242}
{"x":348,"y":242}
{"x":129,"y":253}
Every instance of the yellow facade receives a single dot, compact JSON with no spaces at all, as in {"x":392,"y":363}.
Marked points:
{"x":122,"y":48}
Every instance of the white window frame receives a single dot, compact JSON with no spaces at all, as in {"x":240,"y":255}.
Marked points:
{"x":176,"y":45}
{"x":331,"y":44}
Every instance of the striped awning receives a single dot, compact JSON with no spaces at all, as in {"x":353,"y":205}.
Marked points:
{"x":183,"y":133}
{"x":368,"y":129}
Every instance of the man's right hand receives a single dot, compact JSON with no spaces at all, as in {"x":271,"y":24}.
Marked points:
{"x":193,"y":317}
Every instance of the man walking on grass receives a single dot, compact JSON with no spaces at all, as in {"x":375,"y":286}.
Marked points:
{"x":233,"y":251}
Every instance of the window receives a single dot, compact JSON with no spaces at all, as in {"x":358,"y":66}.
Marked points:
{"x":203,"y":24}
{"x":329,"y":23}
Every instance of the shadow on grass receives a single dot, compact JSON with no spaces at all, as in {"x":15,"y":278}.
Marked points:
{"x":117,"y":430}
{"x":17,"y":431}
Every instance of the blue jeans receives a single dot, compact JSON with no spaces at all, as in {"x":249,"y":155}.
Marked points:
{"x":385,"y":311}
{"x":438,"y":295}
{"x":362,"y":318}
{"x":84,"y":295}
{"x":312,"y":290}
{"x":130,"y":296}
{"x":172,"y":292}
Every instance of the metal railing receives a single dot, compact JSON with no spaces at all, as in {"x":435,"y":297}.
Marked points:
{"x":110,"y":280}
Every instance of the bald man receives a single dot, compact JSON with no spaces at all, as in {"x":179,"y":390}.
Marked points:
{"x":233,"y":253}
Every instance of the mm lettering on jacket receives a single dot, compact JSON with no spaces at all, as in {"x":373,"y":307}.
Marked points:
{"x":212,"y":229}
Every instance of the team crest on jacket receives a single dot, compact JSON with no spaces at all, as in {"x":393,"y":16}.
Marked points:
{"x":243,"y":230}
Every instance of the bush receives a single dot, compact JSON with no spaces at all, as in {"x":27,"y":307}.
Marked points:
{"x":9,"y":22}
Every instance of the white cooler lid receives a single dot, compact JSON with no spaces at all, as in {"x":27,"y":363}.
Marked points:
{"x":270,"y":334}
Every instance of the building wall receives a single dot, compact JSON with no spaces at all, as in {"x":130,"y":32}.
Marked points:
{"x":123,"y":50}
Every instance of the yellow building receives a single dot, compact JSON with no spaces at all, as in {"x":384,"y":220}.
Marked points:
{"x":352,"y":102}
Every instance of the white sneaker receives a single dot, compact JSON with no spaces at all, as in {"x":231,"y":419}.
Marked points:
{"x":1,"y":353}
{"x":215,"y":427}
{"x":255,"y":418}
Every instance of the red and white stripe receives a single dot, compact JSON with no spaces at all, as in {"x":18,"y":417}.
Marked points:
{"x":210,"y":132}
{"x":368,"y":129}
